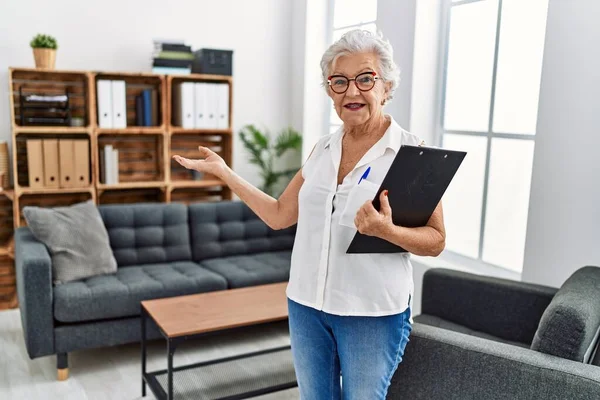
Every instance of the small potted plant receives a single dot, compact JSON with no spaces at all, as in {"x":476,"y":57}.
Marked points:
{"x":44,"y":51}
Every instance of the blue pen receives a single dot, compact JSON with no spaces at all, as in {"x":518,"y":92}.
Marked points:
{"x":364,"y":176}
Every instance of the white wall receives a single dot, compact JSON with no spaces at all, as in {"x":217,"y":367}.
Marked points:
{"x":117,"y":35}
{"x":563,"y":232}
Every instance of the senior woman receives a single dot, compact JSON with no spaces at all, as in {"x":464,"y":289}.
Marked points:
{"x":349,"y":314}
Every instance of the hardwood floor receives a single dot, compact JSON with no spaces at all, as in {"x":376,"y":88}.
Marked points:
{"x":114,"y":373}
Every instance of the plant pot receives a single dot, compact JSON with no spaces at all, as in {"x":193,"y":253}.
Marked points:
{"x":44,"y":58}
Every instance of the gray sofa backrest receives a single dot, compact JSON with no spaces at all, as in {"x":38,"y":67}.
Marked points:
{"x":147,"y":233}
{"x":570,"y":326}
{"x":230,"y":228}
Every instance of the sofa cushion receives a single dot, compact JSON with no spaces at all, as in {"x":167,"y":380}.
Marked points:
{"x":230,"y":228}
{"x":569,"y":327}
{"x":451,"y":326}
{"x":250,"y":270}
{"x":76,"y":239}
{"x":119,"y":295}
{"x":147,"y":233}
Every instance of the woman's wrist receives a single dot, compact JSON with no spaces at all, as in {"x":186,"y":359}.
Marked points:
{"x":392,"y":232}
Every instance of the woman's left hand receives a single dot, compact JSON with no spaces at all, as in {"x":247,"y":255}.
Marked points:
{"x":371,"y":222}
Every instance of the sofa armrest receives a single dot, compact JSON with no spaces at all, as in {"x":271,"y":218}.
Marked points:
{"x":34,"y":290}
{"x":507,"y":309}
{"x":442,"y":364}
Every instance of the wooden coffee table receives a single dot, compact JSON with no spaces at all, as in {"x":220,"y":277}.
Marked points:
{"x":186,"y":317}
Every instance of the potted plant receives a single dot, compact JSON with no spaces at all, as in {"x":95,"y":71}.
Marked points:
{"x":264,"y":152}
{"x":44,"y":51}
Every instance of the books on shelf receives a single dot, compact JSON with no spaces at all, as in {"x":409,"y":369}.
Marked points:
{"x":109,"y":165}
{"x":201,"y":105}
{"x":147,"y":108}
{"x":172,"y":57}
{"x":171,"y":71}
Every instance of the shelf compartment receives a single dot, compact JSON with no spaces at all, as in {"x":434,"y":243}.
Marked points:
{"x":22,"y":161}
{"x":187,"y":146}
{"x":141,"y":158}
{"x":50,"y":83}
{"x":130,"y":196}
{"x":175,"y":80}
{"x":135,"y":84}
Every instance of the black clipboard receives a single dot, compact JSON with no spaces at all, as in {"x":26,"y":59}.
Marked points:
{"x":416,"y":182}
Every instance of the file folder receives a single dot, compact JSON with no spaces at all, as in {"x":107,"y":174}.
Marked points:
{"x":81,"y":151}
{"x":211,"y":106}
{"x":66,"y":163}
{"x":200,"y":120}
{"x":183,"y":104}
{"x":119,"y":108}
{"x":51,"y":166}
{"x":223,"y":106}
{"x":416,"y":182}
{"x":35,"y":163}
{"x":104,"y":94}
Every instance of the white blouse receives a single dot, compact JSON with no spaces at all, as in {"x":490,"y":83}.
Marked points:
{"x":322,"y":275}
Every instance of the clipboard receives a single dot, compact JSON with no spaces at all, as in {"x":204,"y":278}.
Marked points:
{"x":416,"y":182}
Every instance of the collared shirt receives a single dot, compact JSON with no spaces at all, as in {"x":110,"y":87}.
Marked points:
{"x":322,"y":275}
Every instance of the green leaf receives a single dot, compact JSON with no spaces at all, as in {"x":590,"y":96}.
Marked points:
{"x":289,"y":139}
{"x":41,"y":41}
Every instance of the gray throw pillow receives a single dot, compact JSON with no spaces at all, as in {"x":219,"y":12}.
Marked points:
{"x":77,"y":240}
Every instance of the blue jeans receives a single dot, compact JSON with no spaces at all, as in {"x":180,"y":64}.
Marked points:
{"x":365,"y":350}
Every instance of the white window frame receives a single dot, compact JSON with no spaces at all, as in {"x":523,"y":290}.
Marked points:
{"x":449,"y":255}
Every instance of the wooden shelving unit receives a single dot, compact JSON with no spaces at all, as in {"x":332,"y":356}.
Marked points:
{"x":146,"y":170}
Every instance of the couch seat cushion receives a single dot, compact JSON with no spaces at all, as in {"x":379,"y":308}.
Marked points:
{"x":119,"y":295}
{"x":251,"y":270}
{"x":451,"y":326}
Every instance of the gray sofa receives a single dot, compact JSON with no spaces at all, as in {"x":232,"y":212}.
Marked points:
{"x":485,"y":338}
{"x":162,"y":250}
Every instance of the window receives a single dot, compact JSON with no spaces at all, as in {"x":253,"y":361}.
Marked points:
{"x":349,"y":15}
{"x":492,"y":71}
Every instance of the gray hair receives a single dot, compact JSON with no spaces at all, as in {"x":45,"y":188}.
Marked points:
{"x":362,"y":41}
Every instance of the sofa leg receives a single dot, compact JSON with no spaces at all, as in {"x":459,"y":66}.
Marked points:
{"x":62,"y":364}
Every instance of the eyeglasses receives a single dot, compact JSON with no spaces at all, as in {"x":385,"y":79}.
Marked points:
{"x":364,"y":82}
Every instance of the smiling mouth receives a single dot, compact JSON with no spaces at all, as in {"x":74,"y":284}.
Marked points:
{"x":354,"y":106}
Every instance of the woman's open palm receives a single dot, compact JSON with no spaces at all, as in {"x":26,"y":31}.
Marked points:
{"x":210,"y":162}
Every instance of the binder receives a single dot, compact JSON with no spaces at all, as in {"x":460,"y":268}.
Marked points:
{"x":200,"y":121}
{"x":183,"y":104}
{"x":81,"y":173}
{"x":115,"y":166}
{"x":211,"y":105}
{"x":155,"y":108}
{"x":223,"y":106}
{"x":35,"y":163}
{"x":147,"y":107}
{"x":104,"y":89}
{"x":416,"y":182}
{"x":51,"y":167}
{"x":119,"y":107}
{"x":66,"y":163}
{"x":108,"y":165}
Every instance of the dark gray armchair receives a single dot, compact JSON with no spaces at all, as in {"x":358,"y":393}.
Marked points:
{"x":486,"y":338}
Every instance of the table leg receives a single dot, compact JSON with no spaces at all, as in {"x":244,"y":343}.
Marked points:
{"x":170,"y":353}
{"x":143,"y":319}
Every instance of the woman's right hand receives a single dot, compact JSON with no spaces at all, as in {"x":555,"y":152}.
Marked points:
{"x":210,"y":163}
